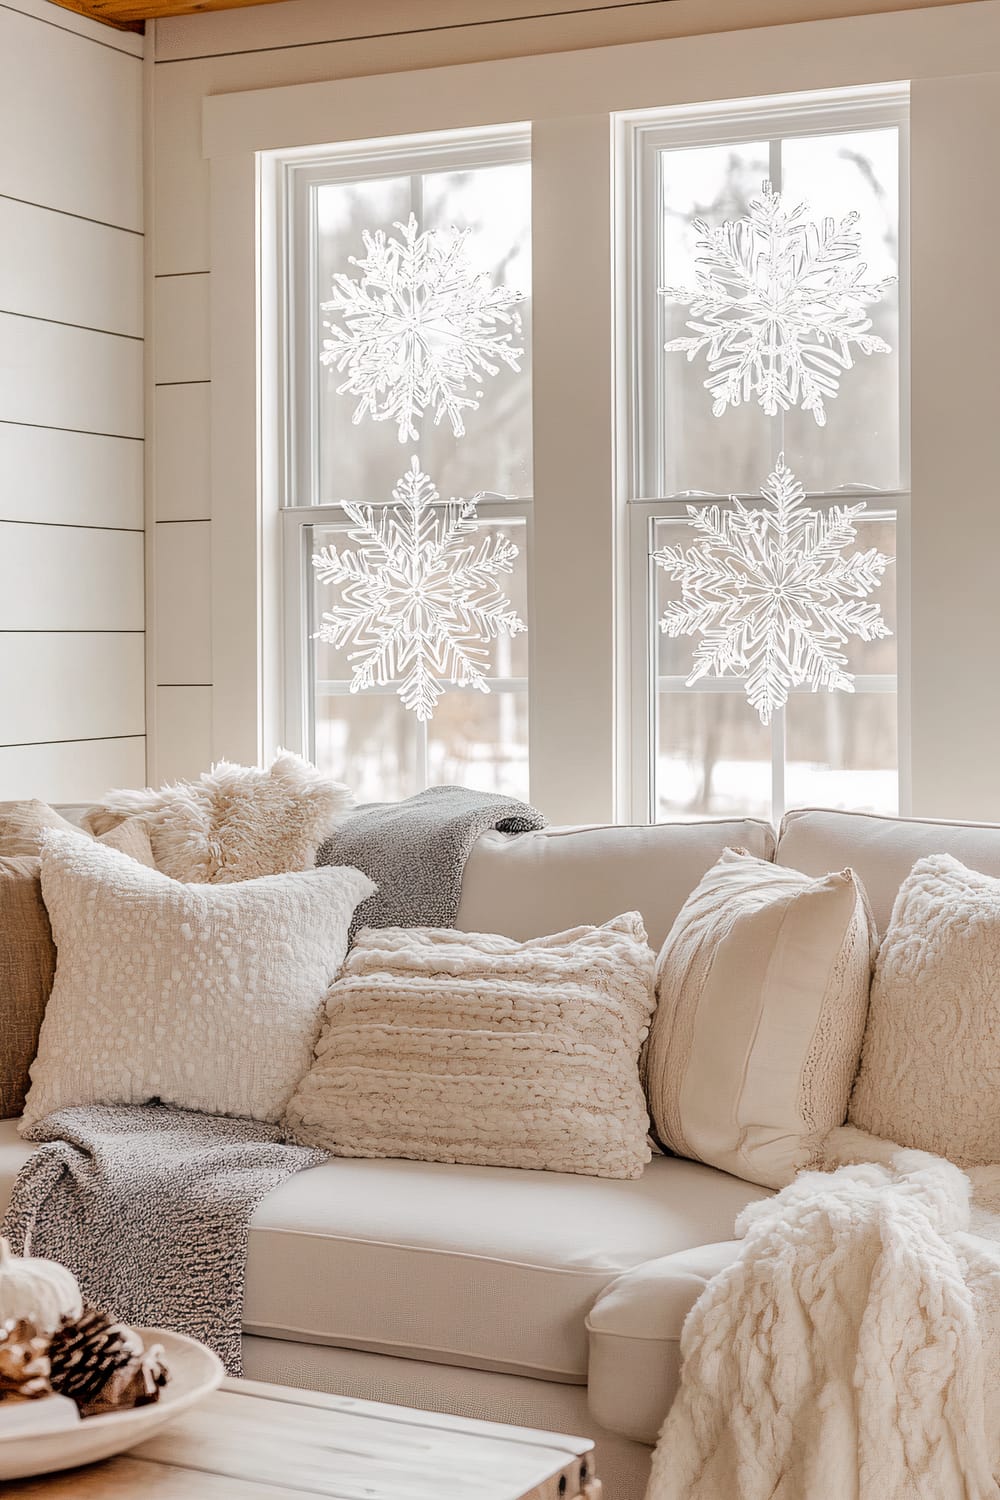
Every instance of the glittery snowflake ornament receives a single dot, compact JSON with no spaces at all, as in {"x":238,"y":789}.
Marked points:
{"x":420,"y":601}
{"x":418,"y":329}
{"x":770,"y":595}
{"x":779,"y":307}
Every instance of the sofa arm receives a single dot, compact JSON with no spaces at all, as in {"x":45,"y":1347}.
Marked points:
{"x":634,"y":1329}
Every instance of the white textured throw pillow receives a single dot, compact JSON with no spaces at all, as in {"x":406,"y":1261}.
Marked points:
{"x":762,"y":991}
{"x":931,"y":1059}
{"x":452,"y":1046}
{"x":207,"y":998}
{"x":235,"y":822}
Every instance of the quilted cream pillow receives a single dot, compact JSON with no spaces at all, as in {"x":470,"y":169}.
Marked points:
{"x":762,"y":989}
{"x":463,"y":1047}
{"x":930,"y":1065}
{"x":206,"y":997}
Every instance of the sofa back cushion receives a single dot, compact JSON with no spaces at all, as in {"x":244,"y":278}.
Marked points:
{"x":527,"y":885}
{"x":762,"y":989}
{"x":882,"y":850}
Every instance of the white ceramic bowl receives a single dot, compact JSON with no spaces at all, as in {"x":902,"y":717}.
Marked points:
{"x":194,"y":1372}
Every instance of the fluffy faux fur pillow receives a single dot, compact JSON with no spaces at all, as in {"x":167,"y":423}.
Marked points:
{"x":233,"y":823}
{"x":463,"y":1047}
{"x":206,"y":998}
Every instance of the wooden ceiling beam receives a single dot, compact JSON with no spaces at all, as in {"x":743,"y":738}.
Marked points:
{"x":129,"y":15}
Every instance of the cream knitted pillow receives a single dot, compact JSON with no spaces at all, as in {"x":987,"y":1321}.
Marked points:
{"x":763,"y":991}
{"x":454,"y":1046}
{"x":931,"y":1059}
{"x":206,"y":997}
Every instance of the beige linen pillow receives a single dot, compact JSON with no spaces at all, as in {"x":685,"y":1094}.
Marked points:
{"x":27,"y":952}
{"x":465,"y":1047}
{"x":762,"y":987}
{"x":930,"y":1065}
{"x":208,"y":998}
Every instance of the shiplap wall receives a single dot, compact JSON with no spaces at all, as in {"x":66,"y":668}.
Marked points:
{"x":305,"y":41}
{"x":72,"y":676}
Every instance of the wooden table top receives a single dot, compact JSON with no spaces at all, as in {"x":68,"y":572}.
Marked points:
{"x":251,"y":1441}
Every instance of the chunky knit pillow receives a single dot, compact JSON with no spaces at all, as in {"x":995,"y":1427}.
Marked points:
{"x":462,"y":1047}
{"x":930,"y":1065}
{"x":208,"y":998}
{"x":762,"y":986}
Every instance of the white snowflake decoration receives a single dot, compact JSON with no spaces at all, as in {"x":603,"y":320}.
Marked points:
{"x":416,"y":327}
{"x":770,"y":595}
{"x":779,"y":306}
{"x":420,"y":601}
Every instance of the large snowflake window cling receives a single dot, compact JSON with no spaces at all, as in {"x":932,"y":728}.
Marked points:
{"x":779,"y":307}
{"x":770,"y":594}
{"x":419,"y":328}
{"x":420,"y":600}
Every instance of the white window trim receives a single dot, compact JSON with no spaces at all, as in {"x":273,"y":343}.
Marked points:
{"x":640,"y":136}
{"x":950,"y":54}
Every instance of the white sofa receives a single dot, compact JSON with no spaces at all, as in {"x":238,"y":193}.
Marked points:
{"x":541,"y":1299}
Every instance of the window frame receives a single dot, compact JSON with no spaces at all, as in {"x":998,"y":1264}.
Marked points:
{"x":639,"y":137}
{"x":300,"y":174}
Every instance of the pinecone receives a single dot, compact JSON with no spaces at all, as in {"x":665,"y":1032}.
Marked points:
{"x":24,"y":1364}
{"x":86,"y":1351}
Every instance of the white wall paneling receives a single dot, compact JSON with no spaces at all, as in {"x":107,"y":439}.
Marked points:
{"x":73,"y":270}
{"x":130,"y":42}
{"x":52,"y":375}
{"x":70,"y":685}
{"x":180,"y":325}
{"x":71,"y":405}
{"x":75,"y":771}
{"x":69,"y":115}
{"x":69,"y":578}
{"x":955,"y":531}
{"x":183,"y":631}
{"x":184,"y":738}
{"x":182,"y":452}
{"x":73,"y":478}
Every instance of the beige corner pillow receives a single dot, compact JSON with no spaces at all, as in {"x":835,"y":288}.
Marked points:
{"x":930,"y":1067}
{"x":762,"y":991}
{"x":27,"y":952}
{"x":462,"y":1047}
{"x":208,"y":998}
{"x":234,"y":823}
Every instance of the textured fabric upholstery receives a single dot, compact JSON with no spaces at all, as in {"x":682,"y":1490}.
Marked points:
{"x":530,"y":884}
{"x":881,"y":850}
{"x":634,"y":1329}
{"x":481,"y":1267}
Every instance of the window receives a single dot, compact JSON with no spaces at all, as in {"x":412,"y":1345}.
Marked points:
{"x":358,"y":446}
{"x":379,"y":440}
{"x":700,"y":748}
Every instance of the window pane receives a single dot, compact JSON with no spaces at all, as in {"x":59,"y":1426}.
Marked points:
{"x":363,"y":460}
{"x":837,"y":175}
{"x":700,"y":452}
{"x":713,"y":757}
{"x":379,"y":747}
{"x":841,"y":751}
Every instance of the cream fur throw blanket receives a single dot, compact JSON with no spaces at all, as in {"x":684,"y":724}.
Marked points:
{"x":852,"y":1350}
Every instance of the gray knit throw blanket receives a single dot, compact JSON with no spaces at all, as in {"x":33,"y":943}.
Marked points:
{"x":415,"y":851}
{"x":151,"y":1208}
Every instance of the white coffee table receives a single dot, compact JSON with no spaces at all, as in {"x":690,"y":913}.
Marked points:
{"x":251,"y":1441}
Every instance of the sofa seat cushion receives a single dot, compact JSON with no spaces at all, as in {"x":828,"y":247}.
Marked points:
{"x":635,"y":1337}
{"x":490,"y":1267}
